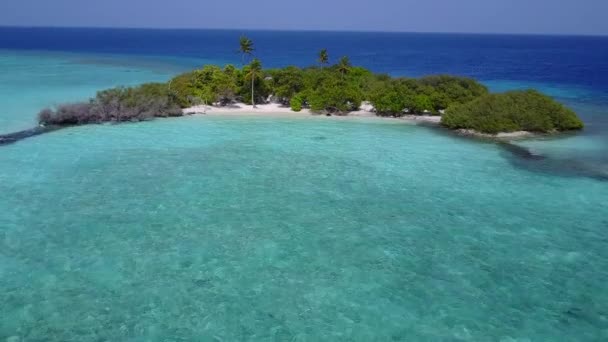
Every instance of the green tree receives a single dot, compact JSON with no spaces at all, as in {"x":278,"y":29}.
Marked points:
{"x":387,"y":100}
{"x":422,"y":103}
{"x":446,"y":90}
{"x":333,"y":95}
{"x":227,"y":84}
{"x":211,"y":84}
{"x":246,"y":48}
{"x":255,"y":71}
{"x":323,"y":57}
{"x":286,"y":82}
{"x":343,"y":66}
{"x":181,"y":86}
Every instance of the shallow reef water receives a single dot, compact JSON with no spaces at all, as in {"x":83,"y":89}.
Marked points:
{"x":301,"y":229}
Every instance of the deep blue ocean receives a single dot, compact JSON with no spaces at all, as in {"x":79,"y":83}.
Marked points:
{"x":210,"y":228}
{"x":554,"y":60}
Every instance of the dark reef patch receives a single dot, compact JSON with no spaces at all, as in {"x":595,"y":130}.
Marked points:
{"x":527,"y":159}
{"x":520,"y":151}
{"x":11,"y":138}
{"x":523,"y":158}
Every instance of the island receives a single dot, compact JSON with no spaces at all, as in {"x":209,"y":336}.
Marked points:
{"x":458,"y":103}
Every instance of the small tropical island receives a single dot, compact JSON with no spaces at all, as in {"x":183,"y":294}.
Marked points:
{"x":457,"y":103}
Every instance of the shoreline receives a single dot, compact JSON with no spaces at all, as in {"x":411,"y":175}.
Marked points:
{"x":275,"y":110}
{"x":278,"y":110}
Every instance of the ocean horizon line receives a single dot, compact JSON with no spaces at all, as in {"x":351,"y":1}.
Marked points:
{"x":455,"y":33}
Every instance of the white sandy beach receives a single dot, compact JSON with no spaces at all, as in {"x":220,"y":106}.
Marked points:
{"x":275,"y":109}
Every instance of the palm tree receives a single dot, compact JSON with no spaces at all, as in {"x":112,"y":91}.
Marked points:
{"x":323,"y":57}
{"x":344,"y":66}
{"x":246,"y":48}
{"x":255,"y":70}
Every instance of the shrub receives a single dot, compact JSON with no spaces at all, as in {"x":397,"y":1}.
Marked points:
{"x":444,"y":90}
{"x":45,"y":116}
{"x":512,"y":111}
{"x":182,"y":87}
{"x":117,"y":104}
{"x":69,"y":114}
{"x":296,"y":103}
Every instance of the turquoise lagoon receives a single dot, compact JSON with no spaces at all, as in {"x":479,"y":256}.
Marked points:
{"x":289,"y":229}
{"x":208,"y":228}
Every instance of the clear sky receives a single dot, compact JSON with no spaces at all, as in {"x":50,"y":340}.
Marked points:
{"x":484,"y":16}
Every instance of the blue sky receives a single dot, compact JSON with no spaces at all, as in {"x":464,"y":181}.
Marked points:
{"x":485,"y":16}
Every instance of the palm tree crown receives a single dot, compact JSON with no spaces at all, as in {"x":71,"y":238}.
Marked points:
{"x":246,"y":47}
{"x":323,"y":57}
{"x":344,"y":65}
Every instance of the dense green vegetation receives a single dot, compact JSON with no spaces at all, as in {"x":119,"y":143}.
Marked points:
{"x":431,"y":94}
{"x":512,"y":111}
{"x":338,"y":89}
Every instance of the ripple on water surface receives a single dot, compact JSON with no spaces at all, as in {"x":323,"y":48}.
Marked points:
{"x":294,"y":229}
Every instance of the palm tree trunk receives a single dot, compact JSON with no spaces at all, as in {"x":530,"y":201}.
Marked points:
{"x":252,"y":96}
